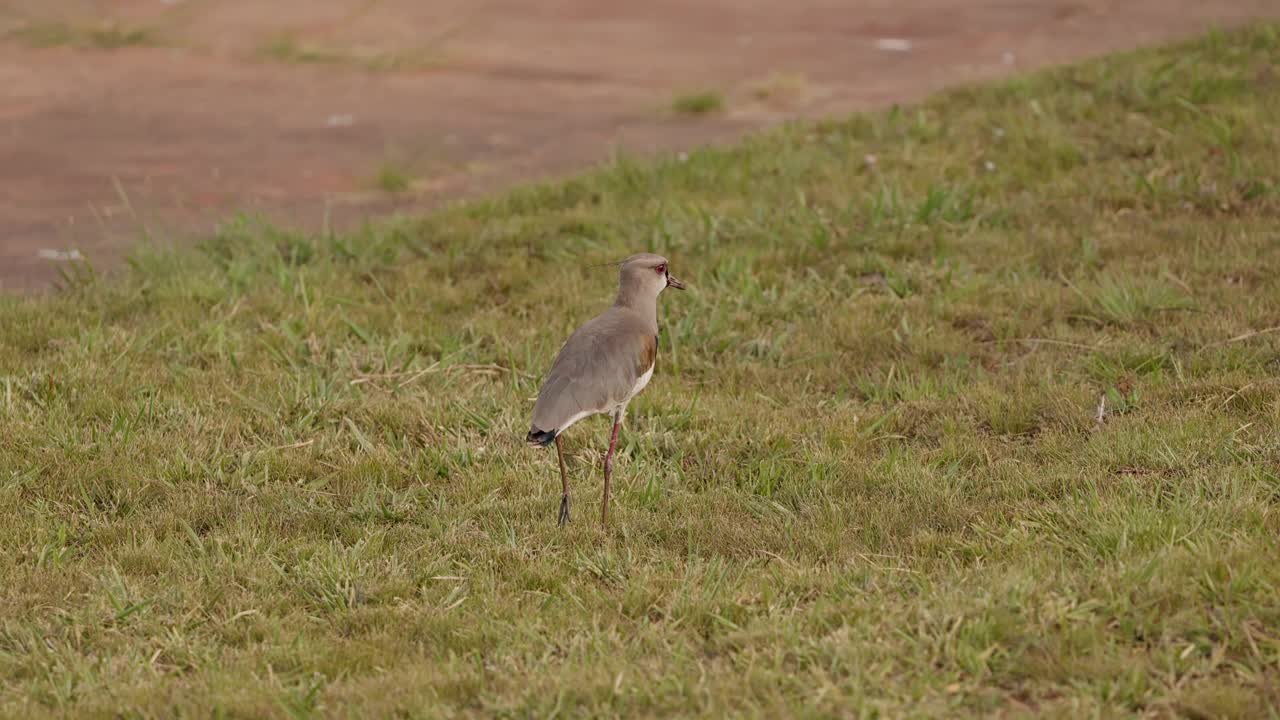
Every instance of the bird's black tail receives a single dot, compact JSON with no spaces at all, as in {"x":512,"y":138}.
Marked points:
{"x":541,"y":438}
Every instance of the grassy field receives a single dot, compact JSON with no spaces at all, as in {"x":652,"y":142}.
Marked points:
{"x":285,"y":475}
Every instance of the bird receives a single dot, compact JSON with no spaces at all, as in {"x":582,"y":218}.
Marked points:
{"x":603,"y":365}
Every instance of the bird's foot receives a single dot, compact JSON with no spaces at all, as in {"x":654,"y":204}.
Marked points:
{"x":564,"y":509}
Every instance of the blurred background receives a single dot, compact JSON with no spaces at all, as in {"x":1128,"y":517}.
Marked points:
{"x":125,"y":119}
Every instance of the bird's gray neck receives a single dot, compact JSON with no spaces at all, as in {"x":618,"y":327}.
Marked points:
{"x":642,"y":304}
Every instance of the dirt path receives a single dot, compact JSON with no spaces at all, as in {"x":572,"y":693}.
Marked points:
{"x":163,"y":116}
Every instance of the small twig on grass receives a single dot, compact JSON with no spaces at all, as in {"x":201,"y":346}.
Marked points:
{"x":889,"y":568}
{"x":414,"y":375}
{"x":1246,"y":336}
{"x":487,"y":368}
{"x":1064,"y":343}
{"x":419,"y":374}
{"x":774,"y":556}
{"x":1236,"y":394}
{"x":1179,"y":282}
{"x":1101,"y":416}
{"x":370,"y":377}
{"x":1043,"y":341}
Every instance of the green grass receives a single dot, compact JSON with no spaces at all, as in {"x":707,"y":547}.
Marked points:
{"x":107,"y":36}
{"x":782,"y":89}
{"x":284,"y":475}
{"x":698,"y":103}
{"x":287,"y":49}
{"x":393,"y":178}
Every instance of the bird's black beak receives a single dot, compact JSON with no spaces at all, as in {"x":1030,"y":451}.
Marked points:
{"x":674,"y":283}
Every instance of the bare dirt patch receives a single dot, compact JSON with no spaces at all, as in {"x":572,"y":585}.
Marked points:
{"x":131,"y":118}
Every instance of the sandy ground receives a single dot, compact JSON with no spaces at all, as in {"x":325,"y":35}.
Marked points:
{"x":292,"y":108}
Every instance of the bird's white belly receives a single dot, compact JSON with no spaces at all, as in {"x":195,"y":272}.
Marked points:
{"x":641,"y":382}
{"x":635,"y":390}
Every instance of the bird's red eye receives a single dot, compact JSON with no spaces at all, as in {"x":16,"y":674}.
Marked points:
{"x":660,"y":269}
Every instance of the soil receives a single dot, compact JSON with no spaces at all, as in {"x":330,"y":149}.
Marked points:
{"x":123,"y":119}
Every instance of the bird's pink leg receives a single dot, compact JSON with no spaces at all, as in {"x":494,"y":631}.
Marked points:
{"x":608,"y":468}
{"x":564,"y":482}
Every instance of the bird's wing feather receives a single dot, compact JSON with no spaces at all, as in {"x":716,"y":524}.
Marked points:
{"x":596,"y":369}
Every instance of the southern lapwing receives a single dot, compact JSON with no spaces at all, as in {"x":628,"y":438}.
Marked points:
{"x":605,"y":363}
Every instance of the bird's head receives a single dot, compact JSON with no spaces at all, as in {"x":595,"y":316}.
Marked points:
{"x":646,"y":275}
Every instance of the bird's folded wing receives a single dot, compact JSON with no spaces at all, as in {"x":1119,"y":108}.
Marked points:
{"x":597,"y":369}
